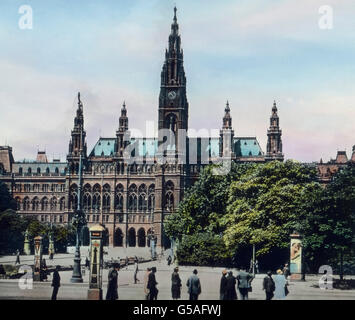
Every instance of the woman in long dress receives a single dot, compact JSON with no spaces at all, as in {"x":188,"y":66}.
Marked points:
{"x":280,"y":285}
{"x":175,"y":284}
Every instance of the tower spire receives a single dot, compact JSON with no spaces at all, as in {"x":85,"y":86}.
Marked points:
{"x":274,"y":142}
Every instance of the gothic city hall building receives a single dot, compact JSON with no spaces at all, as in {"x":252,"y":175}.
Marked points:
{"x":127,"y":184}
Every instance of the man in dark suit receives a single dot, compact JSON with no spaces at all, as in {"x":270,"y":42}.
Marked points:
{"x":269,"y":286}
{"x":152,"y":285}
{"x":244,"y":283}
{"x":55,"y":282}
{"x":194,"y":285}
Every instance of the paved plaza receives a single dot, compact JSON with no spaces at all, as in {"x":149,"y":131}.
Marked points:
{"x":210,"y":280}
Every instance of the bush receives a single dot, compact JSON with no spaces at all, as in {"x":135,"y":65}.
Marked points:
{"x":203,"y":249}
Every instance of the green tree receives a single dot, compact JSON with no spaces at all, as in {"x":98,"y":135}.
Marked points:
{"x":11,"y":232}
{"x":328,"y":222}
{"x":263,"y":207}
{"x":6,"y":200}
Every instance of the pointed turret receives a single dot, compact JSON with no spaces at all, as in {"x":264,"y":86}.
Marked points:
{"x":77,"y":144}
{"x":173,"y":105}
{"x":274,"y":142}
{"x":122,"y":131}
{"x":226,"y":134}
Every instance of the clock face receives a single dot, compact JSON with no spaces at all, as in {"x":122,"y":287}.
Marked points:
{"x":172,"y":95}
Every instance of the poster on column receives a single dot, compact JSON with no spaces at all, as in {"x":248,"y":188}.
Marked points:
{"x":95,"y":263}
{"x":296,"y":256}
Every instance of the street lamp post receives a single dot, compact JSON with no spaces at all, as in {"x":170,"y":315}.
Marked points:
{"x":78,"y":221}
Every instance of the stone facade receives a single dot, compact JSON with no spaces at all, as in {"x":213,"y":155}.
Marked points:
{"x":128,"y":184}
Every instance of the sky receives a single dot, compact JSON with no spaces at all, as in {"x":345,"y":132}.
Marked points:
{"x":248,"y":52}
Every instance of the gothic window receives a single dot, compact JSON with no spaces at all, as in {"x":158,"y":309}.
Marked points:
{"x":132,"y":198}
{"x":26,"y":204}
{"x":38,"y":170}
{"x":44,"y":204}
{"x":56,"y":171}
{"x":96,"y":198}
{"x":35,"y":204}
{"x":132,"y":237}
{"x":169,"y":196}
{"x":73,"y":200}
{"x":119,"y":198}
{"x":29,"y":170}
{"x":87,"y":202}
{"x":47,"y":171}
{"x":62,"y":204}
{"x":18,"y":203}
{"x":20,"y":171}
{"x":53,"y":204}
{"x":142,"y":198}
{"x":106,"y":198}
{"x":141,"y":237}
{"x":45,"y":187}
{"x":151,"y":197}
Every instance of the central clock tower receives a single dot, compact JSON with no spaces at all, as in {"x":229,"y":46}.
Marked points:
{"x":173,"y":105}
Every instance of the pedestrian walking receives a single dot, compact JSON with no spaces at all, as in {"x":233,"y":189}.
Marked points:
{"x":244,"y":283}
{"x":280,"y":285}
{"x":256,"y":266}
{"x":152,"y":285}
{"x":169,"y":260}
{"x":44,"y":270}
{"x":146,"y":290}
{"x":194,"y":286}
{"x":112,"y":286}
{"x":231,"y":293}
{"x":269,"y":286}
{"x":286,"y":270}
{"x":87,"y":263}
{"x":223,"y":286}
{"x":55,"y":282}
{"x":17,"y":257}
{"x":175,"y":284}
{"x":136,"y":271}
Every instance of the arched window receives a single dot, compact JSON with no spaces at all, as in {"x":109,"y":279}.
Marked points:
{"x":118,"y":239}
{"x":151,"y":197}
{"x":119,"y":198}
{"x":38,"y":170}
{"x":73,"y":198}
{"x":169,"y":196}
{"x":87,"y":202}
{"x":47,"y":171}
{"x":26,"y":204}
{"x":18,"y":203}
{"x":29,"y":170}
{"x":142,"y":198}
{"x":141,"y":237}
{"x":106,"y":201}
{"x":132,"y":198}
{"x":35,"y":204}
{"x":44,"y":204}
{"x":56,"y":170}
{"x":87,"y":198}
{"x":53,"y":204}
{"x":132,"y":237}
{"x":96,"y":198}
{"x":62,"y":204}
{"x":20,"y":171}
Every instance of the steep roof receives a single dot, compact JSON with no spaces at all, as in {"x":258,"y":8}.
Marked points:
{"x":243,"y":146}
